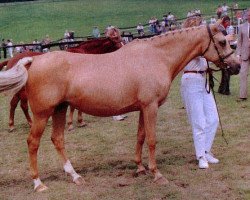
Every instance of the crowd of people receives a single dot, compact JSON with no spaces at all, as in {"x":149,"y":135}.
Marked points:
{"x":9,"y":48}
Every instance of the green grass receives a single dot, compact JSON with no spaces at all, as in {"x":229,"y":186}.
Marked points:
{"x":103,"y":151}
{"x":27,"y":21}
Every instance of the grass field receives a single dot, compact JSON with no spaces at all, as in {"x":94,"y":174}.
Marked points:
{"x":103,"y":151}
{"x":27,"y":21}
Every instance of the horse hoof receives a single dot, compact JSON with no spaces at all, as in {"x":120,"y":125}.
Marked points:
{"x":79,"y":181}
{"x":41,"y":188}
{"x":82,"y":124}
{"x":71,"y":128}
{"x":12,"y":128}
{"x":161,"y":181}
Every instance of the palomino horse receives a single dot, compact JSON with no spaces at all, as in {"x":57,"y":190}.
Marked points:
{"x":95,"y":46}
{"x":136,"y":77}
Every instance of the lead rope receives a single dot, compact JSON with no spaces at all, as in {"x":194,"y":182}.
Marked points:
{"x":209,"y":85}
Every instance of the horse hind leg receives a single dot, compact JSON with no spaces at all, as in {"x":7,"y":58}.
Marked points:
{"x":33,"y":141}
{"x":25,"y":108}
{"x":149,"y":117}
{"x":70,"y":119}
{"x":80,"y":120}
{"x":59,"y":121}
{"x":13,"y":104}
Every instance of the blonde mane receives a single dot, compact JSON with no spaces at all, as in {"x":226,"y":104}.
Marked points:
{"x":170,"y":33}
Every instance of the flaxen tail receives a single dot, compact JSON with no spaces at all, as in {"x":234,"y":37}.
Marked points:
{"x":12,"y":80}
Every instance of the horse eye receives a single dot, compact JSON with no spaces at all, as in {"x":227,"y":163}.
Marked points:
{"x":223,"y":43}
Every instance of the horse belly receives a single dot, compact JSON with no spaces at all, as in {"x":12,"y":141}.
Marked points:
{"x":102,"y":98}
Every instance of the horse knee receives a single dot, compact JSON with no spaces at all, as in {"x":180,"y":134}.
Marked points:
{"x":33,"y":144}
{"x":151,"y":144}
{"x":58,"y":143}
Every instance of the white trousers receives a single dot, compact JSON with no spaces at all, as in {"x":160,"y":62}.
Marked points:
{"x":201,"y":111}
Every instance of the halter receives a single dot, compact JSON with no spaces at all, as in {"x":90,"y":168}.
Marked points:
{"x":211,"y":36}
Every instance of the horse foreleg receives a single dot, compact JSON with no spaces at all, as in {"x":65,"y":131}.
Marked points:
{"x":25,"y":108}
{"x":13,"y":104}
{"x":150,"y":116}
{"x":59,"y":121}
{"x":70,"y":119}
{"x":33,"y":141}
{"x":81,"y":123}
{"x":139,"y":145}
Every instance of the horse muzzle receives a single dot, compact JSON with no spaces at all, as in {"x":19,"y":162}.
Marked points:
{"x":234,"y":69}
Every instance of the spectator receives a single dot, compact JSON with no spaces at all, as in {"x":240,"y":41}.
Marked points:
{"x":225,"y":75}
{"x":36,"y":47}
{"x":10,"y":48}
{"x":4,"y":45}
{"x":66,"y":35}
{"x":243,"y":52}
{"x":140,"y":29}
{"x":158,"y":27}
{"x":212,"y":20}
{"x":163,"y":27}
{"x":108,"y":27}
{"x":46,"y":41}
{"x":224,"y":9}
{"x":189,"y":13}
{"x":71,"y":35}
{"x":127,"y":37}
{"x":219,"y":11}
{"x":71,"y":38}
{"x":20,"y":49}
{"x":152,"y":25}
{"x":235,"y":5}
{"x":204,"y":22}
{"x":96,"y":32}
{"x":170,"y":19}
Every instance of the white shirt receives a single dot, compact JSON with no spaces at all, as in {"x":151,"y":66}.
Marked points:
{"x":170,"y":17}
{"x":197,"y":64}
{"x":139,"y":27}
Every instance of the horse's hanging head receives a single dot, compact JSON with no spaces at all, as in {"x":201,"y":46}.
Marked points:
{"x":115,"y":35}
{"x":218,"y":50}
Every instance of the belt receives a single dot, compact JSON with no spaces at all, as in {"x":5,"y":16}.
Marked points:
{"x":196,"y":72}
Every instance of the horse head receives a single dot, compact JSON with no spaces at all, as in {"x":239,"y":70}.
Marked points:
{"x":115,"y":36}
{"x":219,"y":51}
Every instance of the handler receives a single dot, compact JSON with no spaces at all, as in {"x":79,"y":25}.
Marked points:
{"x":200,"y":105}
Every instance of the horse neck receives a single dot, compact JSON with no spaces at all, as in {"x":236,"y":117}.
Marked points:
{"x":181,"y":46}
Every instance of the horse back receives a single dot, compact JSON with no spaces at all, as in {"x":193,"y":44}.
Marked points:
{"x":19,"y":56}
